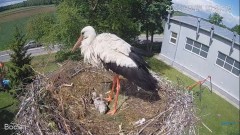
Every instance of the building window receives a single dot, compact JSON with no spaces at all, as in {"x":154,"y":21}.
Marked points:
{"x":197,"y":47}
{"x":228,"y":63}
{"x":173,"y":38}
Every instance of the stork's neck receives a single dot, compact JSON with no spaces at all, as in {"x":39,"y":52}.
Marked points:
{"x":87,"y":49}
{"x":86,"y":46}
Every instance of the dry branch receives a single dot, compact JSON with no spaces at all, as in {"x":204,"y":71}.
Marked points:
{"x":43,"y":110}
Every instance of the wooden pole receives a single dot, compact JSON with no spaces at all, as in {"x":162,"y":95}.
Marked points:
{"x":200,"y":94}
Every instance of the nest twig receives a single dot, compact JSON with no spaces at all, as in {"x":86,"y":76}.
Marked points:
{"x":43,"y":111}
{"x":179,"y":115}
{"x":38,"y":113}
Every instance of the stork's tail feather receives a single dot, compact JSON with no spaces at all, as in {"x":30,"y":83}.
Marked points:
{"x":139,"y":76}
{"x":143,"y":79}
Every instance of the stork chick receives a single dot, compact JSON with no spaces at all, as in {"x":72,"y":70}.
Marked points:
{"x":99,"y":103}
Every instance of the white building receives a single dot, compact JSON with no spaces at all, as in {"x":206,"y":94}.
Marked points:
{"x":199,"y":49}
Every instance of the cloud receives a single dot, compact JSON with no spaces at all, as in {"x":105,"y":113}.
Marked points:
{"x":203,"y":8}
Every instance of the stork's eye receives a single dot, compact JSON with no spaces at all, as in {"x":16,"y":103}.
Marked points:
{"x":82,"y":33}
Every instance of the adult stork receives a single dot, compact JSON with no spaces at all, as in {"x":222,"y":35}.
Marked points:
{"x":118,"y":56}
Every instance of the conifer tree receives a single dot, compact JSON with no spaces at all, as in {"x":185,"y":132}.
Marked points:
{"x":20,"y":71}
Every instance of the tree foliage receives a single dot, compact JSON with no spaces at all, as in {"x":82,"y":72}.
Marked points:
{"x":150,"y":14}
{"x":19,"y":68}
{"x":69,"y":22}
{"x":119,"y":20}
{"x":72,"y":15}
{"x":215,"y":18}
{"x":121,"y":17}
{"x":236,"y":28}
{"x":39,"y":27}
{"x":105,"y":16}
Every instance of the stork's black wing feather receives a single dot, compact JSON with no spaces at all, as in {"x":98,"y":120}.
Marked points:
{"x":141,"y":63}
{"x":137,"y":75}
{"x":140,"y":52}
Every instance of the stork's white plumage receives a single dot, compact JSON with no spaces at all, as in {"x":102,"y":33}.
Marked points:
{"x":115,"y":54}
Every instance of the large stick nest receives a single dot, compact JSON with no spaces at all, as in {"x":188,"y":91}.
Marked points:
{"x":52,"y":106}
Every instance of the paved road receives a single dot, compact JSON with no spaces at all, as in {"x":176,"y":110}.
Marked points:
{"x":156,"y":37}
{"x":4,"y":55}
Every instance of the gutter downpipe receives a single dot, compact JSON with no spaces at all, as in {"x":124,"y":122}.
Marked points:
{"x":198,"y":26}
{"x":233,"y":41}
{"x":177,"y":44}
{"x":212,"y":32}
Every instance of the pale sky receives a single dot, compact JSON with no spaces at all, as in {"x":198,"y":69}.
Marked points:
{"x":228,"y":9}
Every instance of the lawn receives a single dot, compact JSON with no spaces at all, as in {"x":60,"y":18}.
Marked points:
{"x":18,"y":13}
{"x":18,"y":17}
{"x":8,"y":108}
{"x":6,"y":100}
{"x":45,"y":63}
{"x":7,"y":30}
{"x":215,"y":112}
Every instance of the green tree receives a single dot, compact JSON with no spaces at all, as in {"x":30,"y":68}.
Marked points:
{"x":40,"y":27}
{"x":121,"y":17}
{"x":150,"y":13}
{"x":156,"y":12}
{"x":236,"y":28}
{"x":19,"y":68}
{"x":215,"y":18}
{"x":69,"y":22}
{"x":105,"y":16}
{"x":120,"y":22}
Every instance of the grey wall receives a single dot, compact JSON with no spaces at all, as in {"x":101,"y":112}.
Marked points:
{"x":198,"y":67}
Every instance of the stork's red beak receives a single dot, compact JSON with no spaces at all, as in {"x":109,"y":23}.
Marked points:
{"x":78,"y":43}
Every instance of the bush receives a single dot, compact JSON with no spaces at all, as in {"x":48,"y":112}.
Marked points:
{"x":20,"y":71}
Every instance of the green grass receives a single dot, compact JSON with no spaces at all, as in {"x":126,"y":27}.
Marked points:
{"x":18,"y":17}
{"x":213,"y":110}
{"x":8,"y":108}
{"x":7,"y":31}
{"x":6,"y":100}
{"x":17,"y":10}
{"x":45,"y":63}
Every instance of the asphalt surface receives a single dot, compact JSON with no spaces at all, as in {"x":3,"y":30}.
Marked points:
{"x":156,"y":38}
{"x":4,"y":55}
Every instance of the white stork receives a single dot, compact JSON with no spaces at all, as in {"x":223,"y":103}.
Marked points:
{"x":118,"y":56}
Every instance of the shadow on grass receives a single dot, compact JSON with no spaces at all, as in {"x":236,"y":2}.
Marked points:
{"x":6,"y":117}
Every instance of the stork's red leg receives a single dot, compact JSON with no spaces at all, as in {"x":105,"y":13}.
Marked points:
{"x":109,"y":98}
{"x":116,"y":97}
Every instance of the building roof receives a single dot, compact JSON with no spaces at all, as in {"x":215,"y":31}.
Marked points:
{"x":222,"y":32}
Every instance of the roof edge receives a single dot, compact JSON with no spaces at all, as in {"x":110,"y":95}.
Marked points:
{"x":236,"y":42}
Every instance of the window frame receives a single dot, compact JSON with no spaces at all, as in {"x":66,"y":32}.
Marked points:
{"x":171,"y":37}
{"x":225,"y":62}
{"x":194,"y":47}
